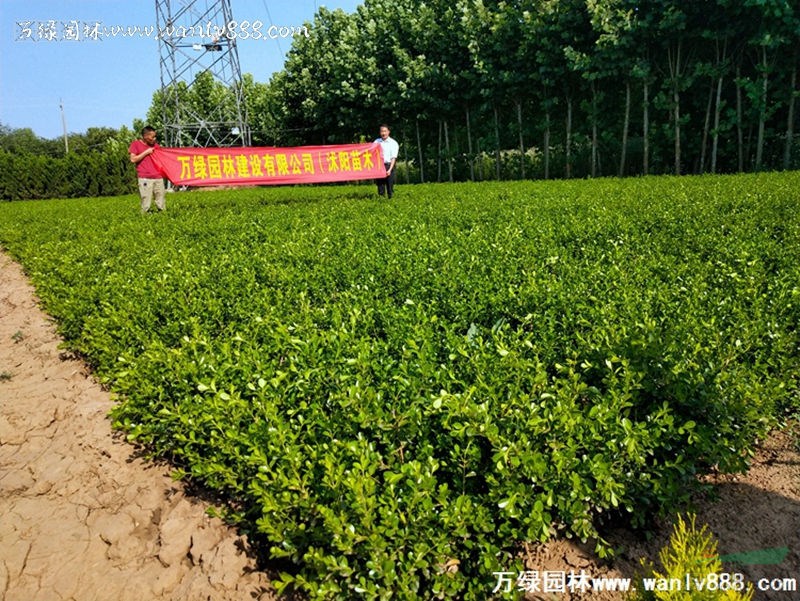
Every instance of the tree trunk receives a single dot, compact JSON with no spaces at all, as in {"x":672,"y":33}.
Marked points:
{"x":715,"y":132}
{"x":497,"y":143}
{"x":546,"y":143}
{"x":594,"y":129}
{"x":787,"y":150}
{"x":675,"y":73}
{"x":568,"y":149}
{"x":718,"y":104}
{"x":676,"y":100}
{"x":439,"y":155}
{"x":625,"y":125}
{"x":407,"y":164}
{"x":739,"y":132}
{"x":762,"y":113}
{"x":480,"y":162}
{"x":706,"y":127}
{"x":421,"y":162}
{"x":469,"y":149}
{"x":449,"y":154}
{"x":521,"y":145}
{"x":646,"y":130}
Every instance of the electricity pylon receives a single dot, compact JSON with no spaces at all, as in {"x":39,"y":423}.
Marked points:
{"x":197,"y":52}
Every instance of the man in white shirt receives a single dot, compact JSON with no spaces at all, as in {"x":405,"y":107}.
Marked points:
{"x":390,"y":149}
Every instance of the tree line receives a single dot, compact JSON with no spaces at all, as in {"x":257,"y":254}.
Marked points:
{"x":97,"y":164}
{"x":488,"y":89}
{"x":575,"y":87}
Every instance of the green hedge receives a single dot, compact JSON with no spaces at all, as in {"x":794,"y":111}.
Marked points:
{"x":394,"y":395}
{"x":30,"y":176}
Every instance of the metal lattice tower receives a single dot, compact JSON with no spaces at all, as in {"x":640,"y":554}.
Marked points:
{"x":196,"y":48}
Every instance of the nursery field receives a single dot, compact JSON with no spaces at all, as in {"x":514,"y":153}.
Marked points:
{"x":393,"y":396}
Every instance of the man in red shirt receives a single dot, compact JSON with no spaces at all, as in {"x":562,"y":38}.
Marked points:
{"x":151,"y":182}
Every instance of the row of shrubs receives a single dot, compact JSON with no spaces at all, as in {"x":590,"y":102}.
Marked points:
{"x":30,"y":176}
{"x":394,"y":396}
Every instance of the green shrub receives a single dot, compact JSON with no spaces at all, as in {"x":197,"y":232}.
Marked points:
{"x":386,"y":391}
{"x":692,"y":570}
{"x":30,"y":177}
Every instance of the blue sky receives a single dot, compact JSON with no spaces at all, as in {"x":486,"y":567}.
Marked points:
{"x":111,"y":82}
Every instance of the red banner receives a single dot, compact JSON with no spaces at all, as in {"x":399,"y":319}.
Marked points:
{"x":270,"y":165}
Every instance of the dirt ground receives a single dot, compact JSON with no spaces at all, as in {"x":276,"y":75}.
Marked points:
{"x":83,"y":518}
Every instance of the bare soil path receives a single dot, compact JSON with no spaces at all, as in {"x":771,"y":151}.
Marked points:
{"x":81,"y":517}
